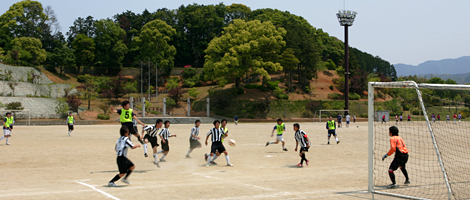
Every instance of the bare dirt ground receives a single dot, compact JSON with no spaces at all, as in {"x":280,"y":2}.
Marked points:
{"x":43,"y":162}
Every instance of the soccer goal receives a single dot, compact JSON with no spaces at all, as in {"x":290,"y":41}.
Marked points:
{"x":334,"y":113}
{"x":439,"y":149}
{"x":18,"y":115}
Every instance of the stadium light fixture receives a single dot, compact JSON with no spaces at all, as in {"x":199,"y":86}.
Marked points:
{"x":346,"y":19}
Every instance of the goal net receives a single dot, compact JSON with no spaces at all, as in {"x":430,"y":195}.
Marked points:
{"x":439,"y":149}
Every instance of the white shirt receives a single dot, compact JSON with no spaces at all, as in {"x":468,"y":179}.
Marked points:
{"x":348,"y":117}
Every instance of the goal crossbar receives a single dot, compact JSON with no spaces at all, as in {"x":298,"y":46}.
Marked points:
{"x":409,"y":85}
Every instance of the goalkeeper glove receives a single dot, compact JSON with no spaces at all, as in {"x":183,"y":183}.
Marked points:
{"x":385,"y":156}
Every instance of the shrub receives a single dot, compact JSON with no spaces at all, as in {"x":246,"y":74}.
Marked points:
{"x":282,"y":96}
{"x":406,"y":107}
{"x":294,"y":87}
{"x":62,"y":108}
{"x":14,"y":106}
{"x":365,"y":115}
{"x":415,"y":111}
{"x":332,"y":87}
{"x":335,"y":96}
{"x":308,"y":89}
{"x":189,"y":72}
{"x":84,"y":78}
{"x":253,"y":86}
{"x":172,"y":82}
{"x":272,"y":85}
{"x":188,"y":83}
{"x":103,"y":117}
{"x":354,"y":96}
{"x":193,"y":93}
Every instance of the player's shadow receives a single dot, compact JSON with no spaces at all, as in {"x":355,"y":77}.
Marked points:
{"x":292,"y":166}
{"x":118,"y":186}
{"x":274,"y":152}
{"x":115,"y":171}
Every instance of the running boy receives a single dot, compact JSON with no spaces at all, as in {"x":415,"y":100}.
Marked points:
{"x":164,"y":135}
{"x":455,"y":118}
{"x":125,"y":166}
{"x":302,"y":138}
{"x":223,"y":127}
{"x":125,"y":117}
{"x":194,"y":138}
{"x":348,"y":118}
{"x":216,"y":134}
{"x":151,"y":137}
{"x":235,"y":119}
{"x":397,"y":146}
{"x":6,"y":127}
{"x":280,"y":128}
{"x":70,"y":122}
{"x":396,"y":119}
{"x":331,"y":127}
{"x":339,"y":120}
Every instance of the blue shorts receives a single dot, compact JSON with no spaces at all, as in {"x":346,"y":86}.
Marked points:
{"x":347,"y":122}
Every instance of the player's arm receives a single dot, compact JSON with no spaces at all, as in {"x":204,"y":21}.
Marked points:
{"x":296,"y":144}
{"x":193,"y":133}
{"x":327,"y":128}
{"x":308,"y":140}
{"x":161,"y":137}
{"x":207,"y":137}
{"x":136,"y":119}
{"x":129,"y":143}
{"x":208,"y":134}
{"x":272,"y":133}
{"x":392,"y":149}
{"x":143,"y":131}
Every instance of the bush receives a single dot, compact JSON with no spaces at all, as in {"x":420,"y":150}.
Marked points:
{"x":332,"y":87}
{"x":103,"y":117}
{"x":172,"y":82}
{"x":364,"y":115}
{"x":14,"y":106}
{"x":282,"y":96}
{"x":240,"y":91}
{"x":354,"y":96}
{"x":253,"y":86}
{"x":294,"y":87}
{"x":104,"y":108}
{"x":406,"y":107}
{"x":84,"y":78}
{"x":307,"y":89}
{"x":189,"y":72}
{"x":335,"y":96}
{"x":272,"y":85}
{"x":193,"y":92}
{"x":415,"y":111}
{"x":188,"y":83}
{"x":62,"y":108}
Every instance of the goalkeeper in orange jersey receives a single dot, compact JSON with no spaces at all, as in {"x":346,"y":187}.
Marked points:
{"x":401,"y":156}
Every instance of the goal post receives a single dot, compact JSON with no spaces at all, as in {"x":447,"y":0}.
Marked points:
{"x":320,"y":111}
{"x":433,"y":159}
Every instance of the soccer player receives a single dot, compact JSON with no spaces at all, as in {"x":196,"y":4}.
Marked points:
{"x":409,"y":118}
{"x":438,"y":117}
{"x":235,"y":119}
{"x":433,"y":117}
{"x":331,"y":127}
{"x":125,"y":117}
{"x":280,"y":128}
{"x":397,"y":146}
{"x":455,"y":118}
{"x":194,"y":138}
{"x":125,"y":166}
{"x":70,"y":122}
{"x":354,"y":118}
{"x":348,"y":118}
{"x":396,"y":119}
{"x":302,"y":138}
{"x":339,"y":117}
{"x":383,"y":119}
{"x":164,"y":135}
{"x":216,"y":134}
{"x":151,"y":137}
{"x":448,"y":118}
{"x":460,"y":117}
{"x":401,"y":118}
{"x":223,"y":127}
{"x":6,"y":127}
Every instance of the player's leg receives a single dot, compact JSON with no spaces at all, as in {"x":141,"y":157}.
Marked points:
{"x":209,"y":158}
{"x":122,"y":166}
{"x":130,"y":168}
{"x":404,"y":160}
{"x":393,"y":166}
{"x":336,"y":138}
{"x":145,"y":145}
{"x":226,"y":157}
{"x":329,"y":136}
{"x":217,"y":154}
{"x":133,"y":131}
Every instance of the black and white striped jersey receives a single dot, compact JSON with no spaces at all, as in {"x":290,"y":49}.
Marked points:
{"x":152,"y":131}
{"x":194,"y":133}
{"x":217,"y":134}
{"x":301,"y":137}
{"x":165,"y":133}
{"x":122,"y":145}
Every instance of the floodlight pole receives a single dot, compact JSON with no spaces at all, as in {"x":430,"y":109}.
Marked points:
{"x":346,"y":18}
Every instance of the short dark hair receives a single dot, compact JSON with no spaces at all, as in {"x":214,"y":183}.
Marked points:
{"x":124,"y":130}
{"x":279,"y":120}
{"x":223,"y":120}
{"x":166,"y":122}
{"x":158,"y":121}
{"x":215,"y":121}
{"x":393,"y":130}
{"x":125,"y":103}
{"x":297,"y":125}
{"x":197,"y":120}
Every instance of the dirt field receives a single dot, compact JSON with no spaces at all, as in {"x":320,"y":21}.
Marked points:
{"x":43,"y":162}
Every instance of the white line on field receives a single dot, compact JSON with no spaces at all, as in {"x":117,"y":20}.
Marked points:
{"x":255,"y":186}
{"x":205,"y":176}
{"x":98,"y":190}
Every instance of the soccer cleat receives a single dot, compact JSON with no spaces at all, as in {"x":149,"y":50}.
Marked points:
{"x":187,"y":156}
{"x":328,"y":142}
{"x":207,"y":165}
{"x":299,"y":165}
{"x":392,"y":186}
{"x":156,"y":163}
{"x":205,"y":156}
{"x":267,"y":143}
{"x":285,"y":149}
{"x":145,"y":154}
{"x":7,"y":143}
{"x":112,"y":184}
{"x":125,"y":181}
{"x":214,"y":163}
{"x":230,"y":164}
{"x":337,"y":142}
{"x":306,"y":162}
{"x":407,"y":182}
{"x":162,"y":160}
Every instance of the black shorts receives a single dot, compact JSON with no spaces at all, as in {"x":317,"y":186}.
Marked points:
{"x":123,"y":164}
{"x":339,"y":121}
{"x":194,"y":144}
{"x":399,"y":161}
{"x":304,"y":149}
{"x":70,"y":127}
{"x":165,"y":146}
{"x":153,"y":140}
{"x":217,"y":146}
{"x":331,"y":132}
{"x":401,"y":119}
{"x":11,"y":126}
{"x":131,"y":128}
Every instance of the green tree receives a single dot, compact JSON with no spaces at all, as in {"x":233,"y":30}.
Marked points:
{"x":61,"y":57}
{"x":110,"y":48}
{"x":84,"y":48}
{"x":244,"y":47}
{"x":153,"y":44}
{"x":88,"y":89}
{"x":289,"y":62}
{"x":85,"y":26}
{"x":30,"y":49}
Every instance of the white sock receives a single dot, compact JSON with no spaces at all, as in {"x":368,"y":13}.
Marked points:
{"x":7,"y":139}
{"x":159,"y":152}
{"x":215,"y":157}
{"x":2,"y":137}
{"x":328,"y":139}
{"x":209,"y":159}
{"x":189,"y":151}
{"x":336,"y":139}
{"x":145,"y":148}
{"x":163,"y":156}
{"x":271,"y":142}
{"x":156,"y":157}
{"x":228,"y":160}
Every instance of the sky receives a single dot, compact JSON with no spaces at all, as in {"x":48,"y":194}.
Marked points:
{"x":399,"y":31}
